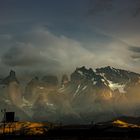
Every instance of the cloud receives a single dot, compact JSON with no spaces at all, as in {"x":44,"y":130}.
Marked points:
{"x":122,"y":21}
{"x":134,"y":49}
{"x":135,"y":57}
{"x":39,"y":49}
{"x":135,"y":53}
{"x":23,"y":55}
{"x":119,"y":20}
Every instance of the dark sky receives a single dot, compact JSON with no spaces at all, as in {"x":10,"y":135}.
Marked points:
{"x":60,"y":35}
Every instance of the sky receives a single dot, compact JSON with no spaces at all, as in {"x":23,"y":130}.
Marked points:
{"x":56,"y":36}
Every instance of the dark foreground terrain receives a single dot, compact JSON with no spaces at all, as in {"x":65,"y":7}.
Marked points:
{"x":82,"y":132}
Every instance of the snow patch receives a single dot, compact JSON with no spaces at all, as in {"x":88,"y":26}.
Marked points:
{"x":115,"y":86}
{"x":26,"y":103}
{"x":8,"y":101}
{"x":84,"y":87}
{"x":94,"y":82}
{"x":80,"y":72}
{"x":77,"y":90}
{"x":49,"y":104}
{"x":92,"y":79}
{"x":102,"y":80}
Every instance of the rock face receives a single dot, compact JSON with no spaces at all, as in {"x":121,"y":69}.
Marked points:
{"x":124,"y":81}
{"x":15,"y":93}
{"x":10,"y":78}
{"x":117,"y":75}
{"x":89,"y":95}
{"x":31,"y":90}
{"x":13,"y":88}
{"x":64,"y":80}
{"x":86,"y":78}
{"x":41,"y":94}
{"x":36,"y":87}
{"x":11,"y":96}
{"x":103,"y":93}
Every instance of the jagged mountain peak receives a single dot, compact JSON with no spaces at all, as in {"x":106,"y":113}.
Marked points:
{"x":87,"y":90}
{"x":12,"y":73}
{"x":88,"y":78}
{"x":117,"y":75}
{"x":11,"y":78}
{"x":105,"y":78}
{"x":89,"y":73}
{"x":117,"y":70}
{"x":84,"y":69}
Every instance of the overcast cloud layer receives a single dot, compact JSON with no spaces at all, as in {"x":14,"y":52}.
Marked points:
{"x":60,"y":36}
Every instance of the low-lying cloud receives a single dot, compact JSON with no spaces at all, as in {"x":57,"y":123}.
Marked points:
{"x":134,"y":49}
{"x":24,"y":55}
{"x":41,"y":50}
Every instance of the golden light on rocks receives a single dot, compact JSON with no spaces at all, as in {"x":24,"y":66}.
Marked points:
{"x":27,"y":128}
{"x":123,"y":124}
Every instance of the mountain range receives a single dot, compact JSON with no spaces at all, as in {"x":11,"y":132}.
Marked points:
{"x":85,"y":96}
